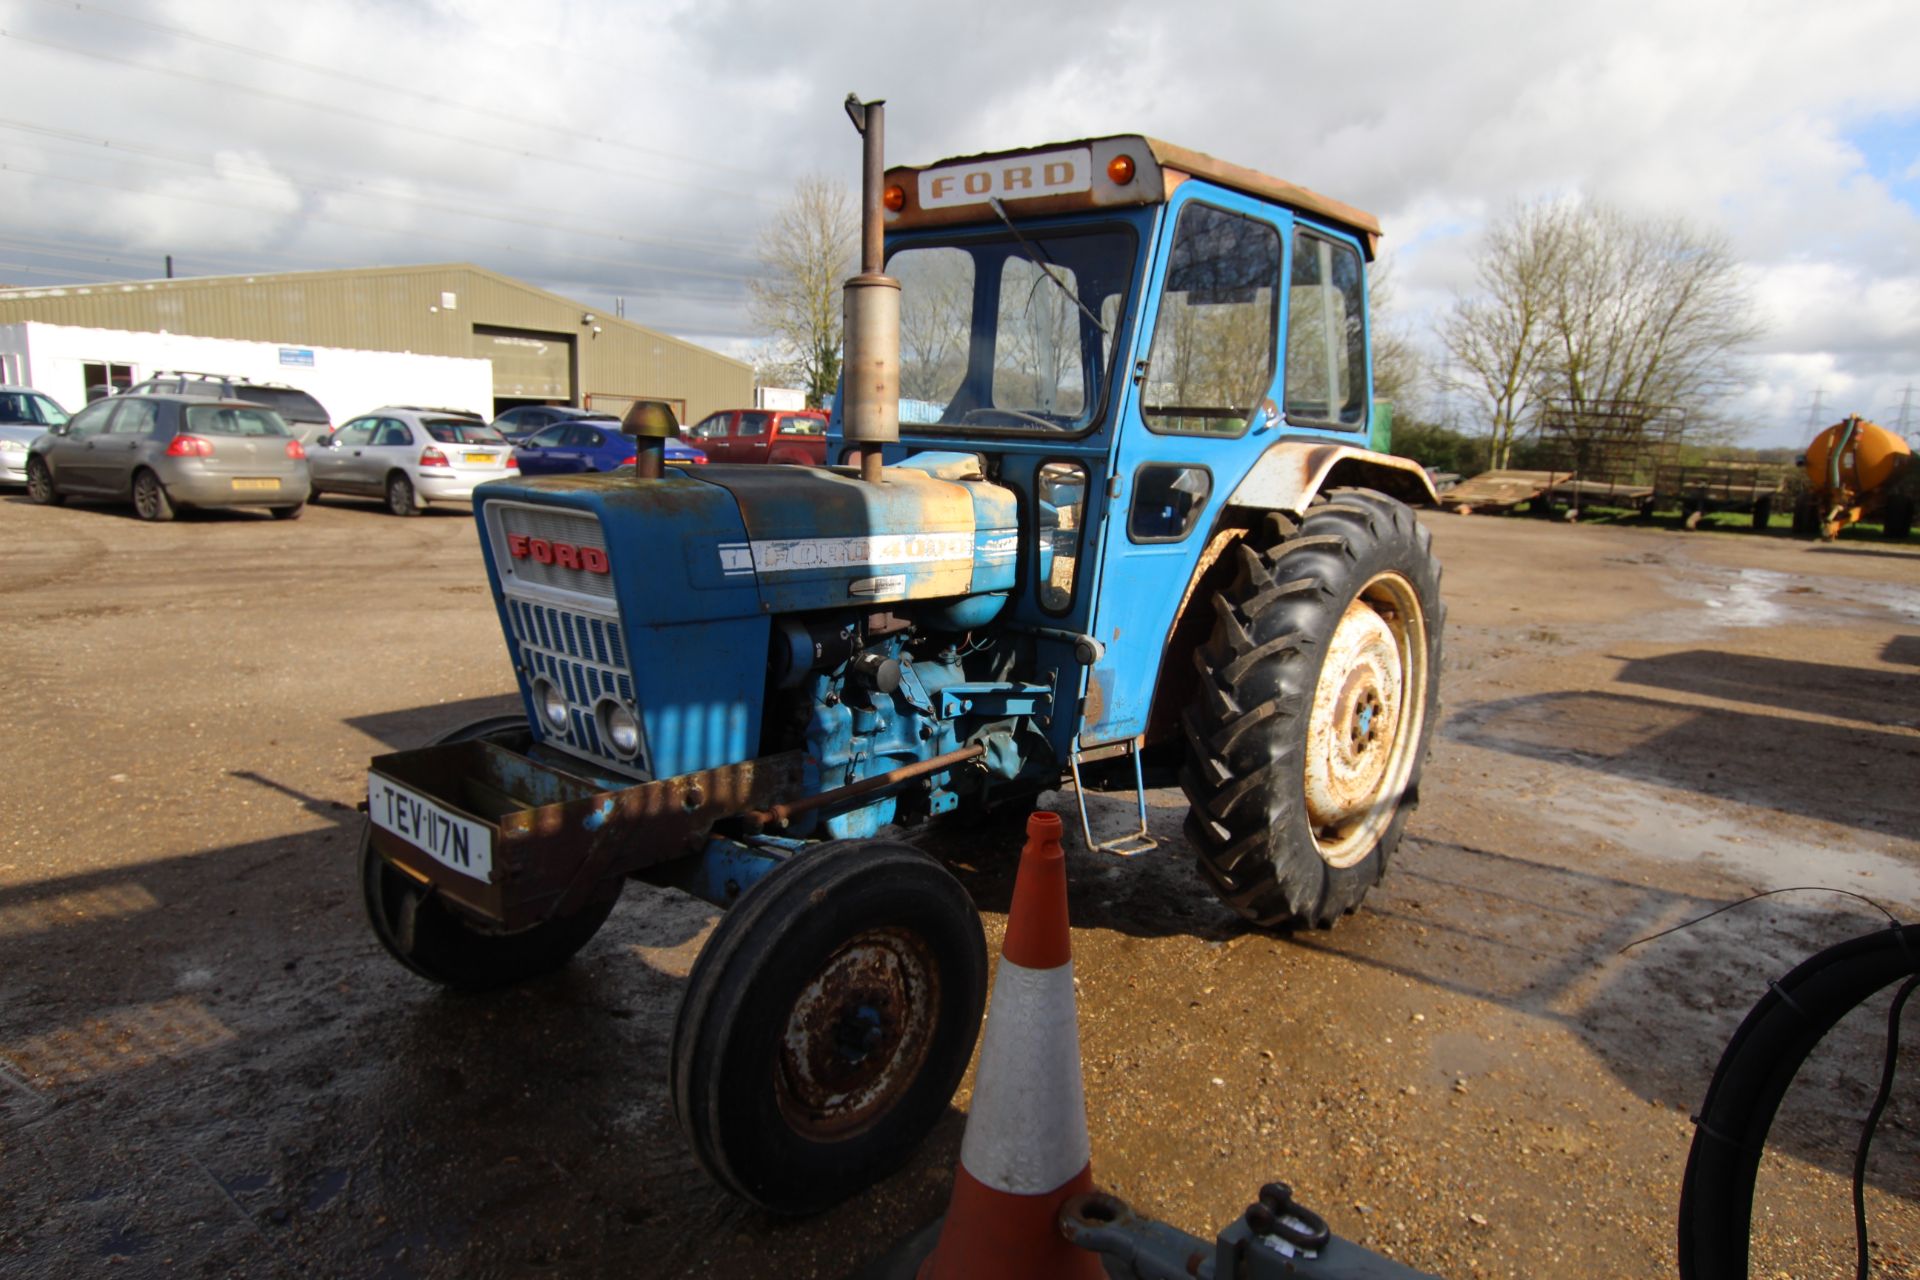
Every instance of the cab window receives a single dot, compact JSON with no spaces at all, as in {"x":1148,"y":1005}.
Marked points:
{"x":1211,"y":363}
{"x":392,"y":433}
{"x":357,"y":433}
{"x":709,"y":428}
{"x":1326,"y":334}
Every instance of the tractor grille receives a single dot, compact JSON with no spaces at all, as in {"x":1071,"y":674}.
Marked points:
{"x":586,"y":658}
{"x":565,"y":623}
{"x":556,"y":528}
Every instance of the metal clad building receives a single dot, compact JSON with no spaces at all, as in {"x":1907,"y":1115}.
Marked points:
{"x":543,"y":347}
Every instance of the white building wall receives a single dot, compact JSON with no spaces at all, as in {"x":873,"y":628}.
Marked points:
{"x":51,"y":358}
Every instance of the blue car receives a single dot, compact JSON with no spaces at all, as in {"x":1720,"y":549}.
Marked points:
{"x":597,"y":445}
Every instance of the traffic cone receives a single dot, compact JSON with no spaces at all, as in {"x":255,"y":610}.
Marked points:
{"x":1025,"y":1149}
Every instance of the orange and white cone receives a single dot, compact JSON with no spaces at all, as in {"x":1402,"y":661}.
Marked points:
{"x":1026,"y":1148}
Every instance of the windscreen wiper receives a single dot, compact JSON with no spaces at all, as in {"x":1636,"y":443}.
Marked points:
{"x":1046,"y":268}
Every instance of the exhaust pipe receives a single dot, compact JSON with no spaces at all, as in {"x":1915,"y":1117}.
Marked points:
{"x":870,"y":377}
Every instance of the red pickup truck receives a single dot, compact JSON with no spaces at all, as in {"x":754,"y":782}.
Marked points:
{"x":762,"y":435}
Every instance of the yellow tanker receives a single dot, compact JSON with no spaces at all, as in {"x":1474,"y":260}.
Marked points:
{"x":1850,"y":468}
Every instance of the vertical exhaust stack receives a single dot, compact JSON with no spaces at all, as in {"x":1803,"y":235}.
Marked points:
{"x":870,"y":401}
{"x":651,"y":423}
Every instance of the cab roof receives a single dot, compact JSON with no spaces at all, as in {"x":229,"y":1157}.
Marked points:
{"x":1087,"y":173}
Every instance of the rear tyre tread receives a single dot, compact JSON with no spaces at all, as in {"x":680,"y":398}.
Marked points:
{"x":1265,"y":652}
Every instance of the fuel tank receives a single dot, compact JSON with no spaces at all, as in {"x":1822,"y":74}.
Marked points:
{"x":820,"y":538}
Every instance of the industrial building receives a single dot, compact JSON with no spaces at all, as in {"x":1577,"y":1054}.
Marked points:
{"x":541,"y":348}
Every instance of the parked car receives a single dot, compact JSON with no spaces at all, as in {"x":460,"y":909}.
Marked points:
{"x":25,"y":415}
{"x":410,"y":458}
{"x":306,"y":417}
{"x":763,"y":435}
{"x":518,"y":424}
{"x":165,"y":452}
{"x":588,"y":445}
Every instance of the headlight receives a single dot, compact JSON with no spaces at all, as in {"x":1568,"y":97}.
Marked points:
{"x":551,"y":704}
{"x":13,"y":446}
{"x":619,"y":729}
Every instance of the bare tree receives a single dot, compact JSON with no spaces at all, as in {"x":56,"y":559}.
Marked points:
{"x":1497,"y":336}
{"x":808,"y":251}
{"x":1586,"y":304}
{"x":1398,"y":371}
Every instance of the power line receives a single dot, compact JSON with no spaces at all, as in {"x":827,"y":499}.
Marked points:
{"x":384,"y":122}
{"x":388,"y":86}
{"x":328,"y":186}
{"x":625,"y":264}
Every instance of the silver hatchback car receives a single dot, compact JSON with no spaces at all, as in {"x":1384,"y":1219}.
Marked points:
{"x":411,"y":457}
{"x":168,"y":452}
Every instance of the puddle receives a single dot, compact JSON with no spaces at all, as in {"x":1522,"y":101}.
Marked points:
{"x":1767,"y":597}
{"x":1650,"y":822}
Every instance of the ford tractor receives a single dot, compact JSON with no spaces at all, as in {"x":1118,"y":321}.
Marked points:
{"x":1137,"y":500}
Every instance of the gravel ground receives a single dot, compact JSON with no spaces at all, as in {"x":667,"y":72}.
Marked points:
{"x":207,"y":1068}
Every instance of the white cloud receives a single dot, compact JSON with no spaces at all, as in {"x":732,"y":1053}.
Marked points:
{"x":686,"y":122}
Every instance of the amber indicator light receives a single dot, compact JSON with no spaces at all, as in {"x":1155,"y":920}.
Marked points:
{"x":895,"y":197}
{"x":1120,"y":169}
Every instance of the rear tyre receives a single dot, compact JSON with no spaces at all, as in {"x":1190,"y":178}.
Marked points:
{"x":1806,"y":518}
{"x":1762,"y":513}
{"x":441,"y":943}
{"x":1896,"y":519}
{"x":400,"y":497}
{"x":150,"y":501}
{"x":40,"y":485}
{"x":288,"y":513}
{"x":827,"y":1024}
{"x":1318,"y":693}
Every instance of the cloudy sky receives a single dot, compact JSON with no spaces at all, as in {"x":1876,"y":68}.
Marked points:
{"x":633,"y":150}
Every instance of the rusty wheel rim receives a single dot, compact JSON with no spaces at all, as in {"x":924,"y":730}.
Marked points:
{"x":858,"y":1034}
{"x":1368,"y":714}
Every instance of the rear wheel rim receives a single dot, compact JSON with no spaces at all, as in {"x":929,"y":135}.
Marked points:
{"x":143,"y":497}
{"x":400,"y":494}
{"x":1367,"y":719}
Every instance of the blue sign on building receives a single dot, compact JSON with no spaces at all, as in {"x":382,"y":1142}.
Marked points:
{"x":297,"y":355}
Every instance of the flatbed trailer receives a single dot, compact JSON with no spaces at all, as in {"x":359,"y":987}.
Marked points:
{"x":1753,"y":487}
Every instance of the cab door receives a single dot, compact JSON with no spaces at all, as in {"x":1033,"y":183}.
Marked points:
{"x":1200,"y":407}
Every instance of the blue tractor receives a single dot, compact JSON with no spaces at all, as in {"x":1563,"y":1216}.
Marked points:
{"x":1151,"y":512}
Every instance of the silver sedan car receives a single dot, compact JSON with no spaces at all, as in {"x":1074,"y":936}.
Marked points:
{"x":411,"y":458}
{"x":25,"y":415}
{"x":167,"y":452}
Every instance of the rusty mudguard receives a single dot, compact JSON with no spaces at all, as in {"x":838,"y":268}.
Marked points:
{"x":560,"y":840}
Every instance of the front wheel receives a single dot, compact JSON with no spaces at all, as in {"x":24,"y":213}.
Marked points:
{"x":827,"y":1024}
{"x":40,"y":485}
{"x":1318,"y":693}
{"x":440,"y":942}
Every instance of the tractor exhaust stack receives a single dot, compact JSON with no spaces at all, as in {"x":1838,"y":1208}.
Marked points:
{"x":870,"y":401}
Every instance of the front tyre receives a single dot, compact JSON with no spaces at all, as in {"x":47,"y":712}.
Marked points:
{"x":827,"y":1023}
{"x":1318,"y":693}
{"x":40,"y":486}
{"x":441,"y":943}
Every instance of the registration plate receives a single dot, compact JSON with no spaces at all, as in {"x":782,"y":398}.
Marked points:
{"x":267,"y":483}
{"x":482,"y":460}
{"x":446,"y":837}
